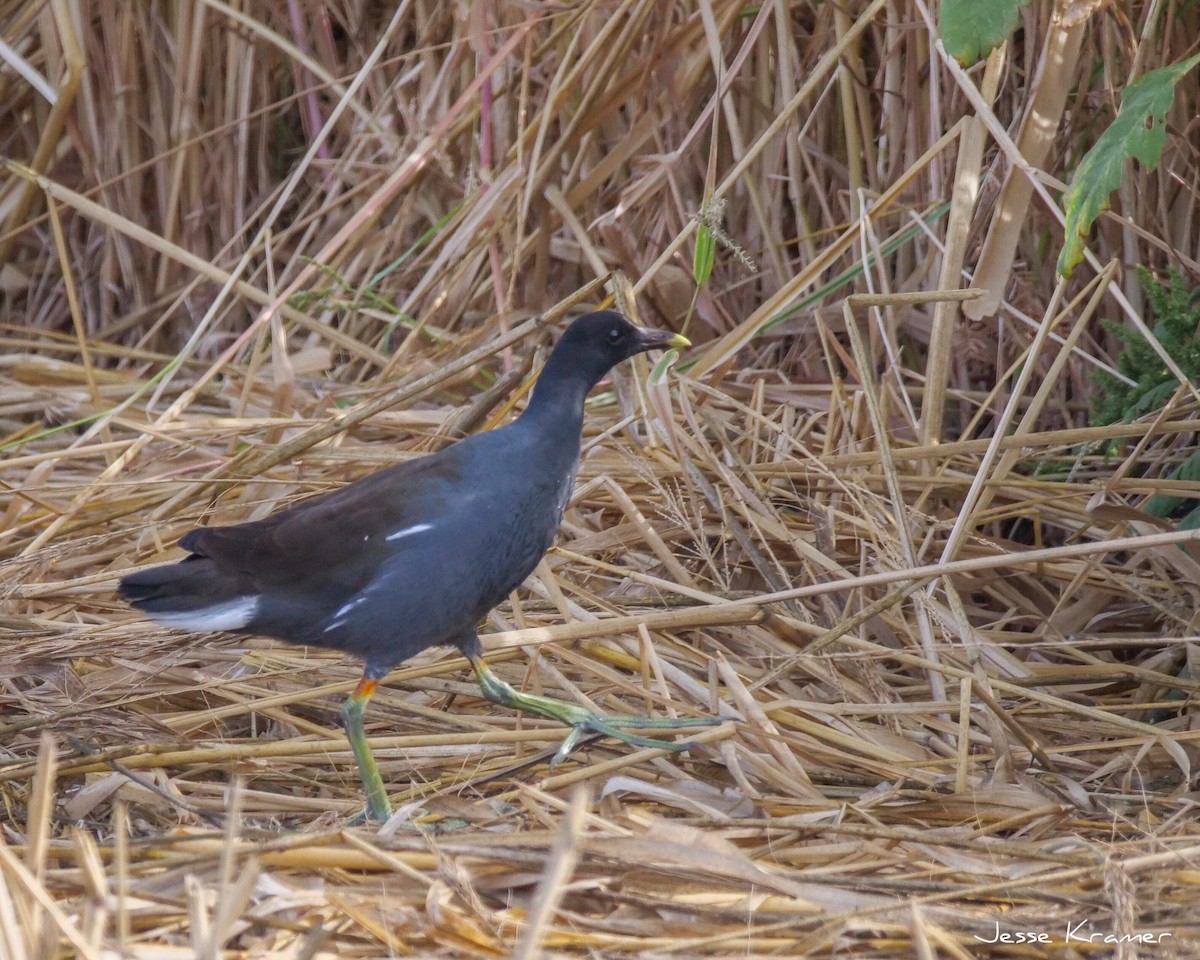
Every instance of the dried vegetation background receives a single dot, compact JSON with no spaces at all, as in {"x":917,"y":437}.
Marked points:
{"x":255,"y":250}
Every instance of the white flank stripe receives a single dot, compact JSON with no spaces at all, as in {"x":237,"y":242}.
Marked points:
{"x":409,"y":531}
{"x":339,"y":618}
{"x":231,"y":615}
{"x":347,"y":607}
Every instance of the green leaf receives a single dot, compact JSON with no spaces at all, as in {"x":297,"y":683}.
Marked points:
{"x":1161,"y":505}
{"x":1164,"y":504}
{"x":1189,"y":470}
{"x":970,"y":29}
{"x":705,"y":256}
{"x":1189,"y":522}
{"x":1136,"y":132}
{"x":658,"y":373}
{"x":1153,"y":398}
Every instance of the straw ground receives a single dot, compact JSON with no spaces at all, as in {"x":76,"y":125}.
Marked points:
{"x":250,"y":252}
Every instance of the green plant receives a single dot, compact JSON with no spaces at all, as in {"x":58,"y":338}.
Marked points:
{"x":1177,"y":329}
{"x":1146,"y":382}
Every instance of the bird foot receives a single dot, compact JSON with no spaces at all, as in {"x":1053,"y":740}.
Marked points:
{"x":610,"y":726}
{"x":584,"y":722}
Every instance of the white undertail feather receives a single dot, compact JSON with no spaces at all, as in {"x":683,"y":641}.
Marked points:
{"x":231,"y":615}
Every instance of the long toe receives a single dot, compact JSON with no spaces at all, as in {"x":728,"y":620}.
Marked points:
{"x":657,"y":723}
{"x":606,"y":726}
{"x":581,"y":720}
{"x":592,"y":723}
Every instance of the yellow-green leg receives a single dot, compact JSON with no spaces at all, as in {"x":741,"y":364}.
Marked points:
{"x":378,"y":805}
{"x":582,"y":721}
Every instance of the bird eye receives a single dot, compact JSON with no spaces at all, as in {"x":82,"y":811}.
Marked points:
{"x":615,"y":336}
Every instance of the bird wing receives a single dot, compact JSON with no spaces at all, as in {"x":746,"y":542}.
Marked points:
{"x":339,"y":539}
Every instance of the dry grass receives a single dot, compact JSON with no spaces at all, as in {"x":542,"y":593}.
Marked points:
{"x":255,"y":250}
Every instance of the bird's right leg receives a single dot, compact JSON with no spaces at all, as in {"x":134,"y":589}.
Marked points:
{"x":378,"y":805}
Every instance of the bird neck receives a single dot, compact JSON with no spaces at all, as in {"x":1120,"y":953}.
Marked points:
{"x":557,"y":399}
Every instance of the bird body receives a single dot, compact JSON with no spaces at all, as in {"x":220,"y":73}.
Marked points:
{"x":343,"y":569}
{"x":410,"y":556}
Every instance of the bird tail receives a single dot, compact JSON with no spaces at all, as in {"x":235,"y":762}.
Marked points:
{"x":191,"y":584}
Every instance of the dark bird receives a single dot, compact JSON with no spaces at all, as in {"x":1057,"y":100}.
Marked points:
{"x":414,"y":555}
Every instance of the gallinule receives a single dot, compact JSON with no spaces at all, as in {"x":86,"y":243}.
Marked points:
{"x":413,"y":555}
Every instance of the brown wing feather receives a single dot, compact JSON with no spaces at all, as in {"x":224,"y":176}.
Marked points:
{"x":335,"y":534}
